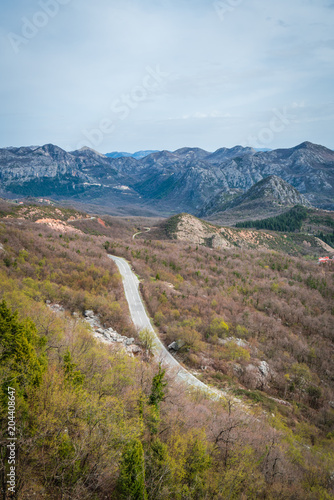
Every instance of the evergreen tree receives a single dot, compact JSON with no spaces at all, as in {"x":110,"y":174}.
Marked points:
{"x":131,"y":482}
{"x":288,"y":222}
{"x":21,"y":361}
{"x":158,"y":384}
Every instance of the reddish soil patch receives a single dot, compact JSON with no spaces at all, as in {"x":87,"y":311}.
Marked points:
{"x":100,"y":221}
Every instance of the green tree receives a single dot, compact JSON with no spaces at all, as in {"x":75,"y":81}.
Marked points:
{"x":74,"y":377}
{"x":218,"y":327}
{"x":157,"y":395}
{"x":158,"y":470}
{"x":106,"y":245}
{"x":147,"y":339}
{"x":22,"y":361}
{"x":158,"y":385}
{"x":131,"y":481}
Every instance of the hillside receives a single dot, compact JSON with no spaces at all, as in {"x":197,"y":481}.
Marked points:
{"x":299,"y":219}
{"x":187,"y":228}
{"x":268,"y":197}
{"x":163,"y":182}
{"x":93,"y":404}
{"x":256,"y":323}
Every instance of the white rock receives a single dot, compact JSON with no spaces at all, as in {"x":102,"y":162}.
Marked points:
{"x":173,"y":346}
{"x":135,"y":349}
{"x":89,"y":314}
{"x":264,"y":368}
{"x":239,"y":342}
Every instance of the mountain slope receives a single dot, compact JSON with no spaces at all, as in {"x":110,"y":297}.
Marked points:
{"x":223,"y":154}
{"x":166,"y":182}
{"x":271,"y":195}
{"x":138,"y":155}
{"x":186,"y":184}
{"x":191,"y":230}
{"x":51,"y":171}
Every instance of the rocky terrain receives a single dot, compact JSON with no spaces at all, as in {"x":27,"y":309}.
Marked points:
{"x":268,"y":197}
{"x":105,"y":335}
{"x":163,"y":182}
{"x":190,"y":229}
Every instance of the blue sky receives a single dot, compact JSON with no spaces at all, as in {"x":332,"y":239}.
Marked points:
{"x":163,"y":74}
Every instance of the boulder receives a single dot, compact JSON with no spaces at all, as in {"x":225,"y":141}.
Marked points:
{"x":89,"y":314}
{"x":173,"y":346}
{"x":257,"y":376}
{"x":135,"y":349}
{"x":238,"y":370}
{"x":264,"y":369}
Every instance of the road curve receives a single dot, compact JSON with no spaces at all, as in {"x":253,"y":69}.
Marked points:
{"x":142,"y":321}
{"x":148,"y":229}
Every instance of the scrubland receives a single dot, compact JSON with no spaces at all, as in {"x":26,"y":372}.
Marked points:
{"x":94,"y":423}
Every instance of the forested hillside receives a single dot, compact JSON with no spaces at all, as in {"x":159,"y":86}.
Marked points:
{"x":288,"y":222}
{"x":93,"y":422}
{"x":298,"y":219}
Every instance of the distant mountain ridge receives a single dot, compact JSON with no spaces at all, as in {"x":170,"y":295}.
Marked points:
{"x":138,"y":155}
{"x":164,"y":182}
{"x":268,"y":195}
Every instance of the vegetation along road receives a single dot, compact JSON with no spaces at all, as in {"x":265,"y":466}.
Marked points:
{"x":139,"y":232}
{"x":142,"y":321}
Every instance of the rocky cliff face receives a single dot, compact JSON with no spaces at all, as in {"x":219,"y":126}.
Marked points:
{"x":49,"y":170}
{"x":23,"y":164}
{"x":166,"y":181}
{"x":270,"y":194}
{"x":186,"y":183}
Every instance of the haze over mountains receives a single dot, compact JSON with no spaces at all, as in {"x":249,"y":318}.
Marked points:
{"x":164,"y":182}
{"x":138,"y":155}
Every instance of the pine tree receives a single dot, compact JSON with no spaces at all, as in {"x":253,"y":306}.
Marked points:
{"x":21,"y":362}
{"x":157,"y":395}
{"x":158,"y":384}
{"x":131,"y":482}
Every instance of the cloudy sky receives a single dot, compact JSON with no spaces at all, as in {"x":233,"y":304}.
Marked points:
{"x":128,"y":75}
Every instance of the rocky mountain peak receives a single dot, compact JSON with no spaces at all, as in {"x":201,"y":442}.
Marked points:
{"x":224,"y":154}
{"x":190,"y":153}
{"x":270,"y":194}
{"x":279,"y":190}
{"x":50,"y":149}
{"x":87,"y":150}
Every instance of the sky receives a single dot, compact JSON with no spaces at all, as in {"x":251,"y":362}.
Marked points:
{"x":129,"y":75}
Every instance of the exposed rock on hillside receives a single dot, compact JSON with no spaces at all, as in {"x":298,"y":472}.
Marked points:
{"x":271,"y":195}
{"x":165,"y":181}
{"x":197,"y":232}
{"x":190,"y":229}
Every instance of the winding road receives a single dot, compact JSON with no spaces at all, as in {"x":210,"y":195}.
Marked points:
{"x":140,"y":232}
{"x":142,"y":321}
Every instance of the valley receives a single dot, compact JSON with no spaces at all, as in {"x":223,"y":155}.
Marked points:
{"x":164,"y":183}
{"x":234,"y":323}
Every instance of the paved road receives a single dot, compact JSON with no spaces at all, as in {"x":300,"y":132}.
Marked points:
{"x":136,"y":234}
{"x":141,"y":321}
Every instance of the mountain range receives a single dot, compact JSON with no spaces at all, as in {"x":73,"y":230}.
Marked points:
{"x":164,"y":182}
{"x":269,"y":197}
{"x":138,"y":155}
